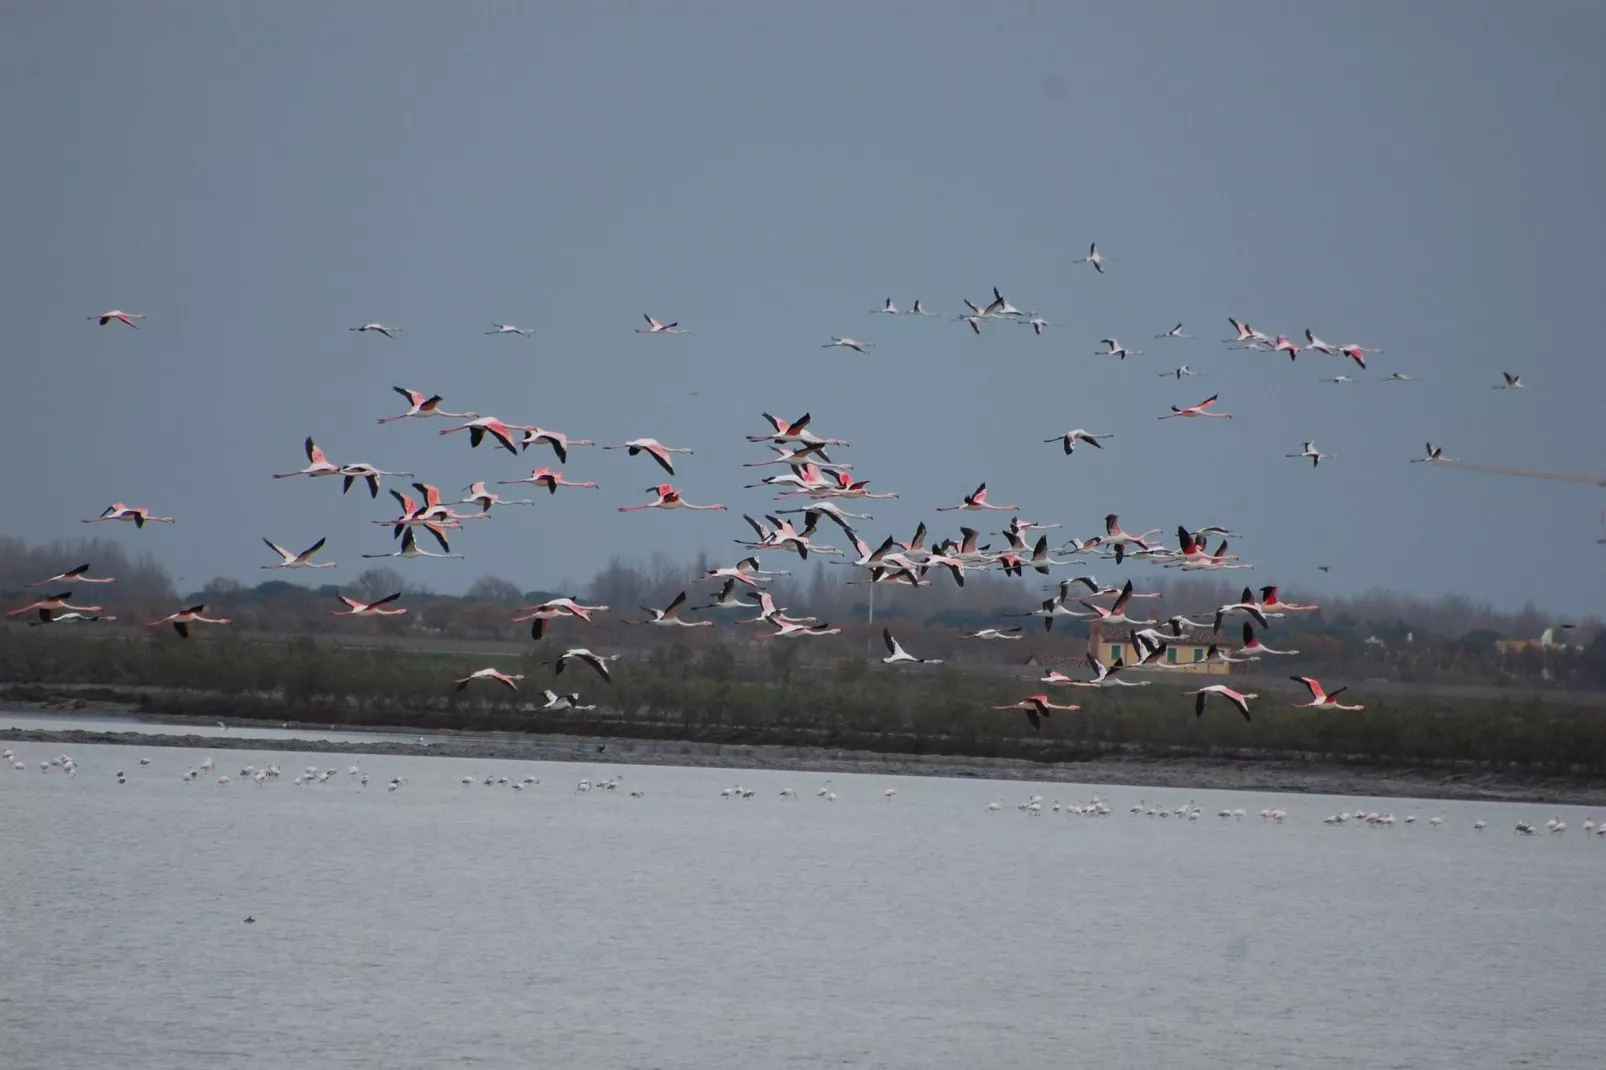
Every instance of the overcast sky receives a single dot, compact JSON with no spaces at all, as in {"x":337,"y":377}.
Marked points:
{"x":256,"y":179}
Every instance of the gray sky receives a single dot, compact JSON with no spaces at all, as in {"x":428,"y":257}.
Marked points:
{"x":256,"y":179}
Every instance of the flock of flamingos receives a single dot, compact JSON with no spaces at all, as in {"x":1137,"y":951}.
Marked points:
{"x":820,"y":486}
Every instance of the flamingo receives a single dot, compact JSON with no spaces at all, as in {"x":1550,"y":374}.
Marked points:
{"x":1337,"y":379}
{"x":508,"y":328}
{"x":1513,"y":382}
{"x":1114,"y":536}
{"x":727,"y":599}
{"x":559,"y":441}
{"x":380,"y":328}
{"x":182,"y":620}
{"x":847,"y":343}
{"x":366,"y":471}
{"x":993,"y":633}
{"x":545,"y":477}
{"x":1037,"y":324}
{"x":317,"y":463}
{"x":1237,"y":698}
{"x":301,"y":560}
{"x":138,"y":515}
{"x":508,"y":680}
{"x":977,"y":500}
{"x":1199,"y":410}
{"x":671,"y":615}
{"x":1316,"y":456}
{"x":120,"y":316}
{"x":72,"y":575}
{"x":479,"y":495}
{"x":917,"y":310}
{"x":375,"y":608}
{"x":1285,"y":346}
{"x":1434,"y":455}
{"x":1037,"y":707}
{"x":598,"y":662}
{"x":552,"y":609}
{"x":744,"y":571}
{"x":1175,"y":332}
{"x":1397,"y":377}
{"x":1254,"y":648}
{"x":1246,"y":604}
{"x":786,"y":629}
{"x":571,"y":701}
{"x":793,"y":431}
{"x":654,"y":327}
{"x":888,"y":309}
{"x":1093,"y":258}
{"x":657,"y":450}
{"x":1317,"y":345}
{"x":1269,"y":600}
{"x":1001,"y":307}
{"x":1116,"y":349}
{"x":1178,"y":372}
{"x":667,"y":498}
{"x":897,"y":654}
{"x":1357,"y":353}
{"x":1319,"y":699}
{"x":481,"y":426}
{"x":1070,"y":438}
{"x":794,"y":457}
{"x":409,"y":548}
{"x":47,"y":617}
{"x":53,"y":602}
{"x":421,"y":406}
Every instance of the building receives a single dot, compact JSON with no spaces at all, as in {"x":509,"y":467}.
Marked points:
{"x":1180,"y":656}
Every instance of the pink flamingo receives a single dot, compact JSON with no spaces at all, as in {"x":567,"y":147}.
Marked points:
{"x":421,"y":406}
{"x":658,"y":451}
{"x":1319,"y":699}
{"x":667,"y":498}
{"x":1237,"y":698}
{"x":182,"y":620}
{"x":73,"y":575}
{"x":977,"y":500}
{"x":545,"y":477}
{"x":1199,"y":410}
{"x":317,"y":463}
{"x":138,"y":515}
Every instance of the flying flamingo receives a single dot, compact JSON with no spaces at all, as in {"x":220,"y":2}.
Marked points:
{"x":508,"y":328}
{"x":1285,"y":346}
{"x":388,"y":332}
{"x":800,"y":455}
{"x":1070,"y":438}
{"x":508,"y":680}
{"x":120,"y":316}
{"x":366,"y":471}
{"x":422,"y":406}
{"x":481,"y":426}
{"x":1116,"y":349}
{"x":571,"y":701}
{"x":72,"y":575}
{"x":1199,"y":410}
{"x":727,"y":598}
{"x":1357,"y":354}
{"x":1435,"y":453}
{"x":1339,"y":379}
{"x":1397,"y":377}
{"x":53,"y":602}
{"x":897,"y":654}
{"x":1319,"y":699}
{"x":1037,"y":707}
{"x":559,"y":441}
{"x":1114,"y":536}
{"x":598,"y":662}
{"x":667,"y":498}
{"x":654,"y":327}
{"x":670,"y":615}
{"x":888,"y":309}
{"x":479,"y":495}
{"x":375,"y":608}
{"x":1316,"y":456}
{"x":409,"y":548}
{"x":301,"y":560}
{"x":139,"y":515}
{"x":993,"y":633}
{"x":1317,"y":345}
{"x":182,"y":620}
{"x":1269,"y":600}
{"x":317,"y":463}
{"x":1175,"y":332}
{"x":47,"y":617}
{"x":545,"y":477}
{"x":1236,"y":698}
{"x":656,"y":449}
{"x":785,"y":629}
{"x":1254,"y":648}
{"x":1093,"y":258}
{"x":847,"y":343}
{"x":1513,"y":382}
{"x":1178,"y":372}
{"x":553,"y":609}
{"x":977,"y":500}
{"x":793,"y":431}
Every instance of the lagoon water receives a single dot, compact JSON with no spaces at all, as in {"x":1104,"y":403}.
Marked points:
{"x":451,"y":925}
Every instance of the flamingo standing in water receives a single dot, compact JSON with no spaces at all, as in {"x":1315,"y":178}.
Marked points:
{"x":317,"y":463}
{"x":654,"y":327}
{"x":72,"y":575}
{"x":667,"y":498}
{"x":1238,"y":699}
{"x":182,"y":620}
{"x":977,"y":500}
{"x":138,"y":515}
{"x":657,"y":450}
{"x":301,"y":560}
{"x":120,"y":316}
{"x":421,"y":406}
{"x":1319,"y":699}
{"x":1200,"y":409}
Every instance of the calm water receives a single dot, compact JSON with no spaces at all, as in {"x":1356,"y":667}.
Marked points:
{"x":62,"y":722}
{"x":444,"y":925}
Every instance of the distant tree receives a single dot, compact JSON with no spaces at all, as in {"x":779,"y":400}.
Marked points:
{"x":377,"y":583}
{"x":493,"y":589}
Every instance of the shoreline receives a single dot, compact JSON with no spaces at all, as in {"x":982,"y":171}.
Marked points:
{"x":1221,"y":774}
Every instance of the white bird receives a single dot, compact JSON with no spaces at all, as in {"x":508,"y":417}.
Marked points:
{"x":1338,"y":379}
{"x":847,"y":343}
{"x":301,"y":560}
{"x":1314,"y":343}
{"x":120,"y":316}
{"x":670,"y":615}
{"x":1434,"y":454}
{"x":1316,"y":456}
{"x":409,"y":548}
{"x":509,"y":680}
{"x":388,"y":332}
{"x":654,"y":448}
{"x":508,"y":328}
{"x":598,"y":662}
{"x":1397,"y":377}
{"x":1199,"y":410}
{"x":1093,"y":258}
{"x":654,"y":327}
{"x":994,"y":633}
{"x":365,"y":471}
{"x":1070,"y":438}
{"x":1175,"y":332}
{"x":1513,"y":382}
{"x":1179,"y":372}
{"x":1238,"y":699}
{"x":896,"y":653}
{"x":1116,"y":349}
{"x":888,"y":309}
